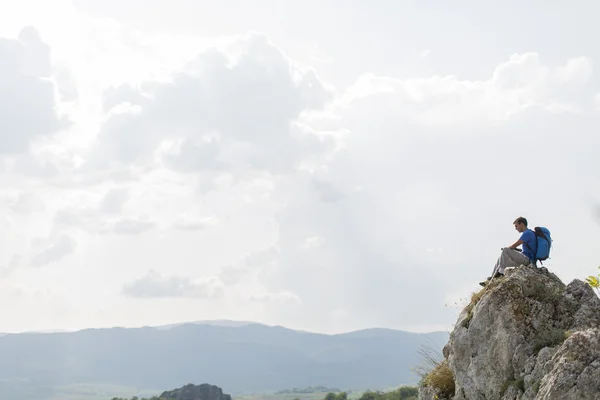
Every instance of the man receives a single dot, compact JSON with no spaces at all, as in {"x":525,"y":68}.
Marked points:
{"x":511,"y":256}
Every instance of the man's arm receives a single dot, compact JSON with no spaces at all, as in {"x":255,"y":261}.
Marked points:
{"x":516,"y":244}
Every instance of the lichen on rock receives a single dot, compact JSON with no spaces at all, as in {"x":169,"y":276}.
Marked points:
{"x":526,"y":336}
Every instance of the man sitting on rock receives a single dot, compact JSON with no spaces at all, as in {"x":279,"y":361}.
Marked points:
{"x":513,"y":257}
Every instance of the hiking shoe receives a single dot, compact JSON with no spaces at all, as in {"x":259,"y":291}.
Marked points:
{"x":496,"y":275}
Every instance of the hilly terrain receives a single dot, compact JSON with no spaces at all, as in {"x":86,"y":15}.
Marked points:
{"x":244,"y":358}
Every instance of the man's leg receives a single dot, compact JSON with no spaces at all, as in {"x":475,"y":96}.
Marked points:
{"x":508,"y":258}
{"x":495,"y":272}
{"x":497,"y":265}
{"x":511,"y":258}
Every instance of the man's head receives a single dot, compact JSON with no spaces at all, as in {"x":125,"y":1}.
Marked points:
{"x":520,"y":224}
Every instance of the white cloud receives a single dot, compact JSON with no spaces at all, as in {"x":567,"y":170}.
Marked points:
{"x":597,"y":102}
{"x":53,"y":249}
{"x":433,"y":250}
{"x":442,"y":163}
{"x":93,"y":221}
{"x":327,"y":191}
{"x":27,"y":203}
{"x":129,"y":210}
{"x":196,"y":223}
{"x":251,"y":265}
{"x":576,"y":70}
{"x":285,"y":296}
{"x":516,"y":85}
{"x":132,"y":226}
{"x":155,"y":285}
{"x":228,"y":159}
{"x":113,"y":201}
{"x":14,"y":263}
{"x":313,"y":242}
{"x":27,"y":97}
{"x":230,"y":111}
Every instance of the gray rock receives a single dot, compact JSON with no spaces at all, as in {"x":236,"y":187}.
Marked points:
{"x":585,"y":303}
{"x":429,"y":393}
{"x":527,"y":336}
{"x":533,"y":377}
{"x":512,"y":393}
{"x":574,"y":370}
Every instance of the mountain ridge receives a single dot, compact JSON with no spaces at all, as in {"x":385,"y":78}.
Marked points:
{"x":251,"y":358}
{"x":222,"y":323}
{"x":238,"y":324}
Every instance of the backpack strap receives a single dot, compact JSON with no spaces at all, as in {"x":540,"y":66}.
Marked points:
{"x":530,"y":249}
{"x":539,"y":232}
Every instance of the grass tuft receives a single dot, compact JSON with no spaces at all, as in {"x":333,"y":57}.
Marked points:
{"x":436,"y":374}
{"x":441,"y":379}
{"x":475,"y":297}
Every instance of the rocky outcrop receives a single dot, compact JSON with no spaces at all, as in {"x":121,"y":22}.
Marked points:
{"x":196,"y":392}
{"x":526,"y":336}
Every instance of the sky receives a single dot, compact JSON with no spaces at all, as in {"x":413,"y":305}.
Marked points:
{"x":325,"y":166}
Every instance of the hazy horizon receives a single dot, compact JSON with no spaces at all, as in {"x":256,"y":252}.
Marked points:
{"x":216,"y":322}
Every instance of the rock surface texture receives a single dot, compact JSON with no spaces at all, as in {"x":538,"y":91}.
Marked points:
{"x":196,"y":392}
{"x":527,"y":336}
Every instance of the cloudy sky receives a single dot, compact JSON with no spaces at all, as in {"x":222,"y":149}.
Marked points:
{"x":323,"y":165}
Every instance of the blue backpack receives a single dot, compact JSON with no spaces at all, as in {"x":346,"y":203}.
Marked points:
{"x":544,"y":243}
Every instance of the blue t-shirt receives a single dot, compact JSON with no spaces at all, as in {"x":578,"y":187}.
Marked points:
{"x":530,"y":243}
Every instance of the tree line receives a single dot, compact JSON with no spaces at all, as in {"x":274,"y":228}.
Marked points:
{"x":402,"y":393}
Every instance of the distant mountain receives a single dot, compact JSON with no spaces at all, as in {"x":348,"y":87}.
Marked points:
{"x":215,"y":322}
{"x":241,"y":357}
